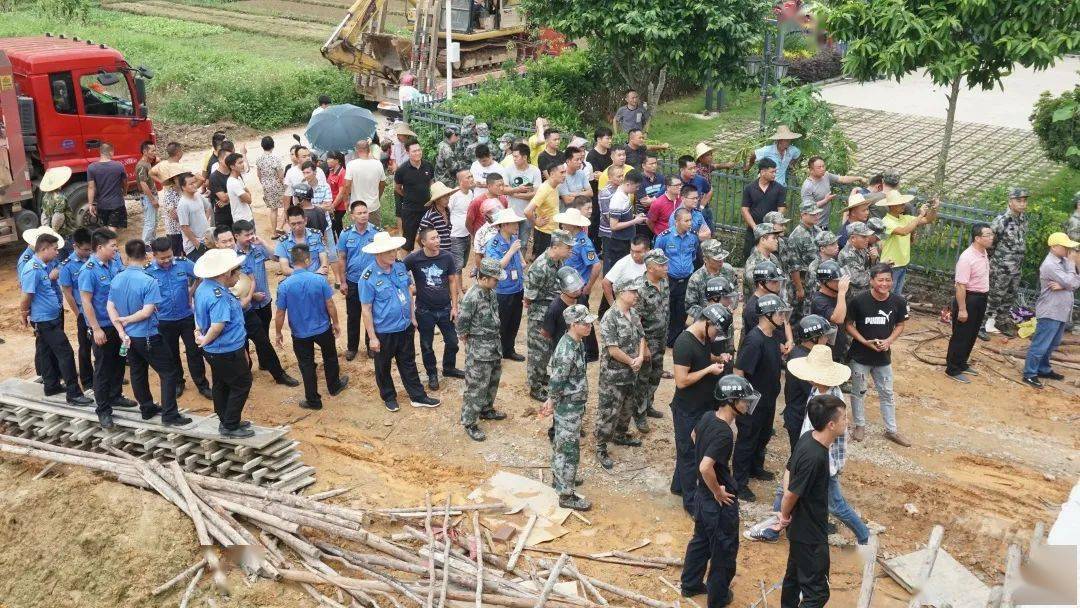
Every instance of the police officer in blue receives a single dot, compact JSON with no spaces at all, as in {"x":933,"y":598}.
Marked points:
{"x":313,"y":320}
{"x":69,"y":284}
{"x":390,"y":322}
{"x":219,"y":323}
{"x":52,"y":269}
{"x":176,"y":318}
{"x":95,"y":279}
{"x":133,"y":300}
{"x":505,"y":247}
{"x":40,"y":309}
{"x":300,"y":233}
{"x":583,"y":258}
{"x":680,"y":245}
{"x":350,"y":265}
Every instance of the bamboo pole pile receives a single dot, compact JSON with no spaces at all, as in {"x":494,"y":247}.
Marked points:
{"x":329,"y":552}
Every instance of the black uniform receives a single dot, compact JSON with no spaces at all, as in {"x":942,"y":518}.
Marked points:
{"x":808,"y":547}
{"x":687,"y":407}
{"x":796,"y":394}
{"x":759,"y":359}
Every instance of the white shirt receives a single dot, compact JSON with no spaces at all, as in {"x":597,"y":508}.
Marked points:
{"x":483,"y":234}
{"x":318,"y":110}
{"x":365,"y":174}
{"x":459,"y":208}
{"x":530,"y":176}
{"x":625,"y":269}
{"x":193,"y":212}
{"x":294,"y":175}
{"x":235,"y":187}
{"x":407,"y":93}
{"x":619,"y":201}
{"x":480,"y":173}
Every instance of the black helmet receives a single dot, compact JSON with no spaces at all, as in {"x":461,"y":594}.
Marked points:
{"x":732,"y":387}
{"x":766,"y":271}
{"x":718,"y":315}
{"x":812,"y":327}
{"x":303,"y":192}
{"x":828,"y":270}
{"x":771,"y":303}
{"x":719,"y":287}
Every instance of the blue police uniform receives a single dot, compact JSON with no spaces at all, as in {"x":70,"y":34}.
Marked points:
{"x":28,"y":255}
{"x":53,"y":356}
{"x":510,"y":291}
{"x":132,"y":290}
{"x":176,"y":318}
{"x":226,"y":354}
{"x":96,"y":279}
{"x":496,"y":249}
{"x":314,"y":242}
{"x":680,"y":250}
{"x":387,"y":292}
{"x":24,"y":259}
{"x":34,"y":279}
{"x":582,"y":256}
{"x":697,"y":218}
{"x":69,"y":277}
{"x":302,"y":297}
{"x":351,"y":246}
{"x":255,"y":266}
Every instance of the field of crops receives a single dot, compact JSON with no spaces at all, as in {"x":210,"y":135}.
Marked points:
{"x":298,"y":21}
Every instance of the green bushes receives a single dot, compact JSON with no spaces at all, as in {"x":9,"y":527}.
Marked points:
{"x":65,"y":10}
{"x":1056,"y":121}
{"x":803,"y":110}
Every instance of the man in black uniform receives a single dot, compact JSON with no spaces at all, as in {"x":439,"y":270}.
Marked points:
{"x":696,"y":372}
{"x":759,"y":362}
{"x":804,"y":510}
{"x":716,"y":515}
{"x":813,"y":329}
{"x":830,"y":302}
{"x":767,"y":280}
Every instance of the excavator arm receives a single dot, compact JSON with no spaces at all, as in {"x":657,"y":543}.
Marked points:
{"x":358,"y":44}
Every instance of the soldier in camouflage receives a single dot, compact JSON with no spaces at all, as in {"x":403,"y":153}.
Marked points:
{"x":653,"y":310}
{"x":446,"y":159}
{"x":468,"y":140}
{"x":483,"y":136}
{"x":541,"y":287}
{"x":856,"y":257}
{"x":787,"y":256}
{"x":827,"y":249}
{"x":568,"y":391}
{"x":478,"y":330}
{"x":622,"y":353}
{"x":767,"y":237}
{"x":802,"y":246}
{"x":713,"y":254}
{"x":1010,"y":241}
{"x":719,"y":290}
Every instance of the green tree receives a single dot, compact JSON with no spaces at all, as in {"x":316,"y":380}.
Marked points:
{"x":647,"y":40}
{"x":970,"y":42}
{"x":1056,"y":121}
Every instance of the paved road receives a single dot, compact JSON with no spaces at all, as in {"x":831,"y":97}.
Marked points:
{"x":916,"y":94}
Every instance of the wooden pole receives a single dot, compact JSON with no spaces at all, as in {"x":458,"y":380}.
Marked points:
{"x":431,"y":556}
{"x":521,"y":541}
{"x":479,"y":559}
{"x":191,"y":588}
{"x":446,"y":553}
{"x":928,"y":565}
{"x":994,"y":599}
{"x":179,"y":577}
{"x":589,"y":588}
{"x":553,"y":578}
{"x":866,"y":589}
{"x":1013,"y":557}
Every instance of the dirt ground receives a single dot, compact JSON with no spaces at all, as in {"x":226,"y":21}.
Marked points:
{"x":990,"y":459}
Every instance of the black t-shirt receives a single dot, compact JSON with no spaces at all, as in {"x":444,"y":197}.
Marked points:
{"x":692,"y":353}
{"x":750,"y":320}
{"x":796,"y":392}
{"x":316,"y":219}
{"x":219,"y":182}
{"x":431,"y":275}
{"x":715,"y":440}
{"x":823,"y":305}
{"x":761,"y":202}
{"x":109,"y":179}
{"x":875,"y":320}
{"x":759,"y":359}
{"x":545,"y":161}
{"x":809,"y":479}
{"x":599,"y":162}
{"x":635,"y":158}
{"x":554,"y":323}
{"x":416,"y":185}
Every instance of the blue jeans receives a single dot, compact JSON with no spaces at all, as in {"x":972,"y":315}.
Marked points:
{"x":1044,"y":342}
{"x":149,"y":222}
{"x":898,"y":277}
{"x":838,"y":508}
{"x":426,"y":320}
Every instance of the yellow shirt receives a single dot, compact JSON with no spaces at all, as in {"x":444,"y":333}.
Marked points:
{"x":602,"y":181}
{"x":535,"y":146}
{"x":546,"y":205}
{"x":896,"y":248}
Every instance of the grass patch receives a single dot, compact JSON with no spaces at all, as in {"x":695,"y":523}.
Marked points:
{"x":1058,"y":189}
{"x":207,"y":73}
{"x":674,"y":124}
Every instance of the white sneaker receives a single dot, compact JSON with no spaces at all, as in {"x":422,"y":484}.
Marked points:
{"x":990,"y":327}
{"x":426,"y":401}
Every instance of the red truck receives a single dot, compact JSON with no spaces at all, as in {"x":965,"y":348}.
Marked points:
{"x":60,"y":99}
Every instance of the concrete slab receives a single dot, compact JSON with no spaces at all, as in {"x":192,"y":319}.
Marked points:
{"x":916,"y":94}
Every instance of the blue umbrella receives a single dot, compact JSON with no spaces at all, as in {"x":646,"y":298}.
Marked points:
{"x":338,"y":128}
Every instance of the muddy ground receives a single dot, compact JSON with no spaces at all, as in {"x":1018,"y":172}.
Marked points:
{"x":990,"y":459}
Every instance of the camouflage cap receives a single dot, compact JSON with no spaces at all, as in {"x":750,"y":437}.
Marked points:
{"x":775,"y":217}
{"x":765,"y":228}
{"x":468,"y":121}
{"x":877,"y":225}
{"x":890,"y":177}
{"x":656,"y":256}
{"x":506,"y":137}
{"x":482,"y":129}
{"x":714,"y":250}
{"x":633,"y":284}
{"x":859,"y":229}
{"x":825,"y":237}
{"x":811,"y":208}
{"x":561,"y":237}
{"x":452,"y":130}
{"x":578,"y":313}
{"x":1018,"y":192}
{"x":490,"y":267}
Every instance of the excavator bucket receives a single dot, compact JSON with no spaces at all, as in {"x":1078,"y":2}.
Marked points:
{"x":393,"y":52}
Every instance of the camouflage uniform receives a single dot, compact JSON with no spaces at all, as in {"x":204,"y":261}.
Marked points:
{"x":53,"y":203}
{"x":1010,"y":241}
{"x":752,"y":260}
{"x":811,"y":275}
{"x":803,"y":247}
{"x":568,"y":391}
{"x":541,"y":287}
{"x":618,"y":382}
{"x":446,"y":161}
{"x":857,"y":264}
{"x":695,"y":287}
{"x":483,"y":136}
{"x":653,"y":310}
{"x":467,"y":144}
{"x":478,"y":322}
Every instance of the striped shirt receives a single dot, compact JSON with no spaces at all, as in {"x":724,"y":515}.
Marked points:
{"x":441,"y":224}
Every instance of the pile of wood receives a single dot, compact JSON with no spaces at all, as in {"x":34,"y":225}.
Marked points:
{"x":446,"y":559}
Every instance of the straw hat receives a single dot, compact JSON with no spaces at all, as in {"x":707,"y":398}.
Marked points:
{"x":243,"y":284}
{"x":383,"y":242}
{"x":506,"y":216}
{"x":403,"y":129}
{"x":573,"y":217}
{"x":167,"y":170}
{"x":217,"y":262}
{"x":783,"y":132}
{"x":439,"y":190}
{"x":856,"y":199}
{"x":702,"y":149}
{"x":31,"y":235}
{"x":819,"y":368}
{"x":893,"y":198}
{"x":54,"y":178}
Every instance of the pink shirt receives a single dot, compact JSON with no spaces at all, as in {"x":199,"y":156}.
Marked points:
{"x":659,"y":213}
{"x":973,"y":270}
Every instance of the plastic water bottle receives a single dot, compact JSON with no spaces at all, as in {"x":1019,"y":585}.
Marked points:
{"x":124,"y":347}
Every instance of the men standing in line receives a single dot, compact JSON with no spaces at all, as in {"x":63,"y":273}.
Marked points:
{"x":69,"y":284}
{"x":972,"y":279}
{"x":134,"y":297}
{"x":176,"y":319}
{"x":313,"y":321}
{"x":583,"y":259}
{"x":760,"y":197}
{"x":94,"y":281}
{"x":653,"y":309}
{"x":1006,"y":258}
{"x":680,"y":246}
{"x":767,"y":239}
{"x":412,"y":182}
{"x":623,"y":352}
{"x":766,"y":279}
{"x":713,"y":254}
{"x":802,"y":246}
{"x":40,"y":309}
{"x":876,"y":319}
{"x":830,"y":301}
{"x":1058,"y":282}
{"x":478,"y":328}
{"x":351,"y":264}
{"x":390,"y":322}
{"x":858,"y":210}
{"x":219,"y":327}
{"x":541,"y":287}
{"x":437,"y":281}
{"x":568,"y":391}
{"x":856,"y":258}
{"x":505,"y":248}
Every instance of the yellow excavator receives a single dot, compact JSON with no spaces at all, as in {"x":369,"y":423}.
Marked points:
{"x":380,"y":40}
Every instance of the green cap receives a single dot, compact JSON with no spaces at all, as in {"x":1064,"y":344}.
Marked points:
{"x":714,"y":250}
{"x":656,"y":256}
{"x":561,"y":236}
{"x":578,"y":313}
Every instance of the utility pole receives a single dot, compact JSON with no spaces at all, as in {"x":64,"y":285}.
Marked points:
{"x":449,"y":53}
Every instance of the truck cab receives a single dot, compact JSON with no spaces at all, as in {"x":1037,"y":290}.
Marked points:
{"x":64,"y":97}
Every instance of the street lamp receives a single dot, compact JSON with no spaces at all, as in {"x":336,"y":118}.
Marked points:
{"x":770,"y":67}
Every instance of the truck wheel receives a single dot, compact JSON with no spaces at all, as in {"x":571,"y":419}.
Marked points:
{"x":26,"y":219}
{"x":75,"y":192}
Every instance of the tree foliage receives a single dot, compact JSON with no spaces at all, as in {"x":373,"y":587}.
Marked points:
{"x":804,"y":111}
{"x":1056,"y":121}
{"x":646,"y":40}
